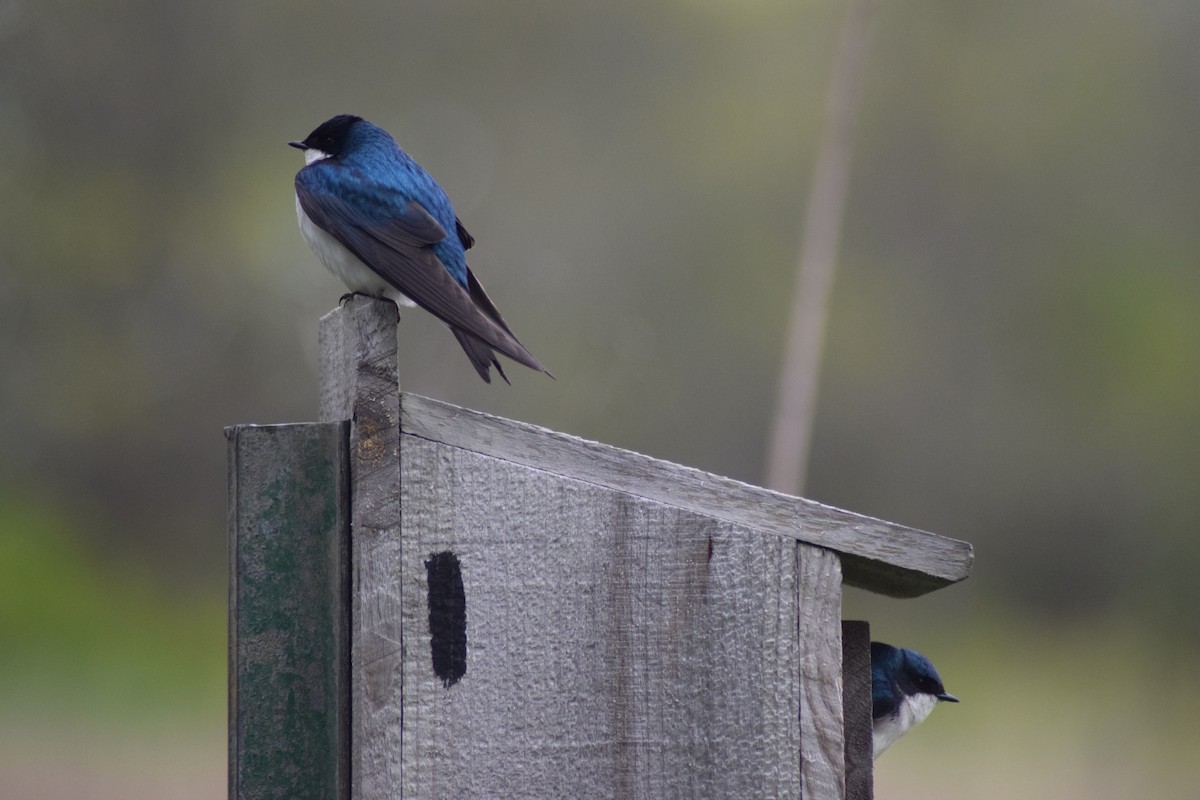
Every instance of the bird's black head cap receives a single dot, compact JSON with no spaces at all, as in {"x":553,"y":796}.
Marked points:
{"x":913,"y":673}
{"x":919,"y":676}
{"x":330,"y":136}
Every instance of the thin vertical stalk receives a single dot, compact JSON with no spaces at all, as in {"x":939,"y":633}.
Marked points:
{"x":791,"y":434}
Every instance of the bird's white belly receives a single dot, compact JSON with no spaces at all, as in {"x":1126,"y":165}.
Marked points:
{"x":912,"y":711}
{"x":356,"y":275}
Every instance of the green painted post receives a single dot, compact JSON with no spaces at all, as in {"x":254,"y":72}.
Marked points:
{"x":289,"y":653}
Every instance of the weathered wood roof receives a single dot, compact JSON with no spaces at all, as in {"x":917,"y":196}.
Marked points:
{"x":879,"y":556}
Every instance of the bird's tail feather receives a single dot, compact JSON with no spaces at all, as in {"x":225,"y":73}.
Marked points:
{"x":504,"y":339}
{"x":481,"y":354}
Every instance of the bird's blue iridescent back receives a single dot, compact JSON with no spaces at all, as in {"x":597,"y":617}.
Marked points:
{"x":396,"y":181}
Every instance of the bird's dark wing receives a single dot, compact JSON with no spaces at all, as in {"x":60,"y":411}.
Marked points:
{"x":399,"y":249}
{"x":468,"y":241}
{"x":477,"y":350}
{"x":484,"y":303}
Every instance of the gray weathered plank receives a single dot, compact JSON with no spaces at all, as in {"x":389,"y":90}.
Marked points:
{"x":359,"y":383}
{"x":616,"y":646}
{"x":357,"y":355}
{"x":288,"y":612}
{"x":822,"y":731}
{"x":876,"y":555}
{"x":856,"y":708}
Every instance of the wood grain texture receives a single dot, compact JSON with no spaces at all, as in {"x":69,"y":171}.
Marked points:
{"x":289,"y":646}
{"x":359,"y":383}
{"x":876,"y":555}
{"x":822,"y":734}
{"x":856,"y":707}
{"x":357,"y":355}
{"x":616,"y":646}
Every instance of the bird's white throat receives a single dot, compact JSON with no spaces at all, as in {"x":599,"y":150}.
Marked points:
{"x":911,"y":712}
{"x":312,"y":155}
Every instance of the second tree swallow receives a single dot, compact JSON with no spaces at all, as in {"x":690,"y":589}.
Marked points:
{"x":904,"y":689}
{"x":381,"y":224}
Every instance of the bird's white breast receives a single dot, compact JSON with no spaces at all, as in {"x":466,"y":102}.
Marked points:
{"x":912,"y":712}
{"x":356,"y":275}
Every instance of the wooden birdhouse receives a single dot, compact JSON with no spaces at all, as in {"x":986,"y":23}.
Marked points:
{"x":431,"y":602}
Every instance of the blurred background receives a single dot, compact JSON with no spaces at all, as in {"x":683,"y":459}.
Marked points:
{"x":1012,"y":358}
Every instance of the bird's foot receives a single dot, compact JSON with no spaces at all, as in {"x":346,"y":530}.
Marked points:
{"x":346,"y":298}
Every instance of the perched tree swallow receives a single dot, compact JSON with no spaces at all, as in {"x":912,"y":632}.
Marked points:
{"x":381,"y":224}
{"x":904,"y":689}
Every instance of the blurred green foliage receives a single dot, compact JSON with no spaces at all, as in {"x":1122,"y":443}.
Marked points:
{"x":87,"y":638}
{"x":1013,"y":358}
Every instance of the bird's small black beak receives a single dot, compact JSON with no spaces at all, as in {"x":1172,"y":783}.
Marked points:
{"x":947,"y":697}
{"x":298,"y":145}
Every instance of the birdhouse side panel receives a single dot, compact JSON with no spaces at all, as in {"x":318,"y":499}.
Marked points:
{"x":563,"y":639}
